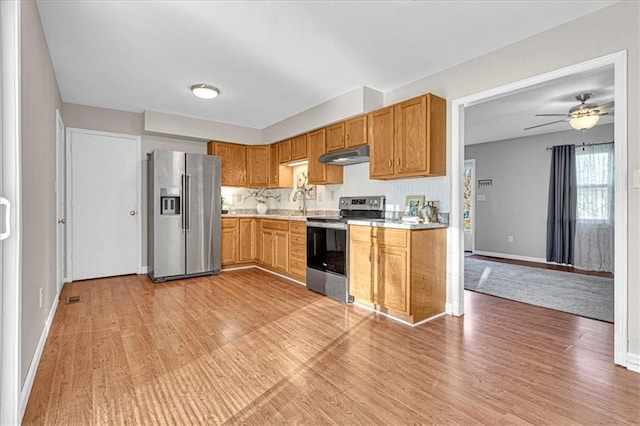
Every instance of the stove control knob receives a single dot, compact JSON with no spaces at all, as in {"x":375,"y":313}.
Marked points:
{"x":375,"y":202}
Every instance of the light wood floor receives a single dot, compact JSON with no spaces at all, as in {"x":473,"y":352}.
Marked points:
{"x":246,"y":347}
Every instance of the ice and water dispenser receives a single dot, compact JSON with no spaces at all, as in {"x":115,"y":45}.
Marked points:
{"x":170,"y":201}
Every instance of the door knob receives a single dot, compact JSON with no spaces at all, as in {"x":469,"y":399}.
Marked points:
{"x":132,"y":213}
{"x":62,"y":221}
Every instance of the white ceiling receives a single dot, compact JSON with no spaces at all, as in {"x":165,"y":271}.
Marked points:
{"x":506,"y":117}
{"x":272,"y":59}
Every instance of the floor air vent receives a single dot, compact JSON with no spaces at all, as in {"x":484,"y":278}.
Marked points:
{"x":73,"y":299}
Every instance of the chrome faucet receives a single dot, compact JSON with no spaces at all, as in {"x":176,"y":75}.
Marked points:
{"x":302,"y":192}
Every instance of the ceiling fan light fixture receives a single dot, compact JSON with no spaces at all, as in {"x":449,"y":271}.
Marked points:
{"x":205,"y":91}
{"x":584,"y":122}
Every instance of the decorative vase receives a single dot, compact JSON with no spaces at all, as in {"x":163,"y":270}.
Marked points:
{"x":262,"y":208}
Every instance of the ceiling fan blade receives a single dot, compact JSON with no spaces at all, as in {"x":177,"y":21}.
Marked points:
{"x":545,"y":124}
{"x":551,"y":115}
{"x":606,"y":106}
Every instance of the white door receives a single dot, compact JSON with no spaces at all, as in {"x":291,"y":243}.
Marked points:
{"x":468,"y":203}
{"x":60,"y":201}
{"x":103,"y":215}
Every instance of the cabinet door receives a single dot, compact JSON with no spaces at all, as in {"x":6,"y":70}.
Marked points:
{"x":392,"y":278}
{"x":273,"y":165}
{"x":299,"y":147}
{"x":335,"y":137}
{"x":228,"y":242}
{"x":258,"y":166}
{"x":266,"y":257}
{"x":360,"y":270}
{"x":246,"y":239}
{"x":284,"y":151}
{"x":281,"y":250}
{"x":411,"y":150}
{"x":355,"y":132}
{"x":320,"y":174}
{"x":381,"y":143}
{"x":233,"y":159}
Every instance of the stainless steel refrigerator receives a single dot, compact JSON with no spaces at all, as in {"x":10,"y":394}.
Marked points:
{"x":183,"y":215}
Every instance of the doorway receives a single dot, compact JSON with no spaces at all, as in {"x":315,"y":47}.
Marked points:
{"x":456,"y":282}
{"x":60,"y":202}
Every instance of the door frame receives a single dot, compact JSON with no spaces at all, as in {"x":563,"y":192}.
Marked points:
{"x":69,"y":146}
{"x":473,"y":203}
{"x":456,"y":277}
{"x":11,"y":296}
{"x":60,"y":201}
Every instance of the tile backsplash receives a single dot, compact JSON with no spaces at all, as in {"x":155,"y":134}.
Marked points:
{"x":356,"y":183}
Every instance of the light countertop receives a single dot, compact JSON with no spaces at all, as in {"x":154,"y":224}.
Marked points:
{"x":394,"y":223}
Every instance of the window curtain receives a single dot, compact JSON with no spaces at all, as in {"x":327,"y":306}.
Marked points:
{"x":594,"y":244}
{"x":561,"y":213}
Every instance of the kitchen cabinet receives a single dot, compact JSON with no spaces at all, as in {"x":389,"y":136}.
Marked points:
{"x":229,"y":241}
{"x":299,"y":148}
{"x":238,"y":240}
{"x":233,"y":159}
{"x":400,"y":272}
{"x":347,"y":134}
{"x":335,"y":137}
{"x":284,"y":151}
{"x":280,"y":175}
{"x":319,"y":173}
{"x":275,"y":244}
{"x":298,"y":249}
{"x":257,"y":166}
{"x":408,"y":139}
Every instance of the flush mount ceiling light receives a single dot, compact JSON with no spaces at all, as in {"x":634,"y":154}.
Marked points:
{"x":205,"y":91}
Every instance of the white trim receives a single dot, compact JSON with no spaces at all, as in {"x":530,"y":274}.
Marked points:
{"x":69,"y":142}
{"x":514,"y":257}
{"x":144,"y":270}
{"x":35,"y":361}
{"x":293,"y":280}
{"x":60,"y":187}
{"x":633,"y":362}
{"x":375,"y":311}
{"x":455,"y":270}
{"x":11,"y":299}
{"x":473,"y":201}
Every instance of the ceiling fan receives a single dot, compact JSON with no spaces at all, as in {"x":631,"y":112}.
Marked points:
{"x":582,"y":116}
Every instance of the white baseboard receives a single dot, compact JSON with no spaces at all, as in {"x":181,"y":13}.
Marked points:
{"x":35,"y":362}
{"x":633,"y":362}
{"x":282,"y":276}
{"x":144,"y":270}
{"x":512,"y":256}
{"x":448,"y":308}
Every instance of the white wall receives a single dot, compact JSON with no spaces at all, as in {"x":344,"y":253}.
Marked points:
{"x":516,"y":203}
{"x":40,"y":98}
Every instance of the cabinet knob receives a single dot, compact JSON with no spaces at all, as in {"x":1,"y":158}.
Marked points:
{"x":390,"y":162}
{"x":398,"y":162}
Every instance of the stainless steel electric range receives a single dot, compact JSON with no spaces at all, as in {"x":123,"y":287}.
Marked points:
{"x":328,"y":245}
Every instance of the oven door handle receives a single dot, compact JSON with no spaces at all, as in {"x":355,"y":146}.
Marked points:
{"x":327,"y":225}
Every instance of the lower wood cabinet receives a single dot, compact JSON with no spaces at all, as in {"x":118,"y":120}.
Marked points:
{"x":229,"y":241}
{"x":298,"y":249}
{"x":399,"y":272}
{"x":238,"y":240}
{"x":275,"y":244}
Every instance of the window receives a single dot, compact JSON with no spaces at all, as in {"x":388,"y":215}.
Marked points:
{"x":594,"y":173}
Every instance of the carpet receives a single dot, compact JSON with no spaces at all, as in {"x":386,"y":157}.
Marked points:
{"x":584,"y":295}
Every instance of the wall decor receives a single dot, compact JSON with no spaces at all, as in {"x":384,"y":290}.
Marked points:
{"x":413,"y":204}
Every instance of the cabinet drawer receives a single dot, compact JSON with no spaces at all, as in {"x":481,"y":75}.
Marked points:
{"x":391,"y":237}
{"x":298,"y":227}
{"x":277,"y":225}
{"x":298,"y":252}
{"x":360,"y":233}
{"x":297,"y":239}
{"x":229,"y":222}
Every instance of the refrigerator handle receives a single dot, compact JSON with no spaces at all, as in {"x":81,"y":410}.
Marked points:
{"x":188,"y":202}
{"x":7,"y":218}
{"x":184,"y":202}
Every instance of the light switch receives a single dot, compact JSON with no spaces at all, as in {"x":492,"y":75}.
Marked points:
{"x":481,"y":197}
{"x":636,"y":178}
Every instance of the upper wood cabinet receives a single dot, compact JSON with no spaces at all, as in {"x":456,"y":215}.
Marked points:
{"x":299,"y":148}
{"x":347,"y":134}
{"x":320,"y":173}
{"x":233,"y":159}
{"x":408,"y":139}
{"x":258,"y":166}
{"x":335,"y":137}
{"x":284,"y":151}
{"x":355,"y":132}
{"x":280,"y":175}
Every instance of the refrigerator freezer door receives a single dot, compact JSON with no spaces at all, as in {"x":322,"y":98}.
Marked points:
{"x":168,"y":251}
{"x":203,"y":214}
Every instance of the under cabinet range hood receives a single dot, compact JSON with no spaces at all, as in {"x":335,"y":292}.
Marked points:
{"x":344,"y":157}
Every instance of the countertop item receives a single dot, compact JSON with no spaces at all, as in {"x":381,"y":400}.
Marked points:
{"x":390,"y":223}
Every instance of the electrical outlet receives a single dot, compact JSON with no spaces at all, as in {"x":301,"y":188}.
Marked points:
{"x":41,"y":295}
{"x":510,"y":238}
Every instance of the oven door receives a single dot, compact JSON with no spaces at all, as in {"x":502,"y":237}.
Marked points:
{"x":327,"y":247}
